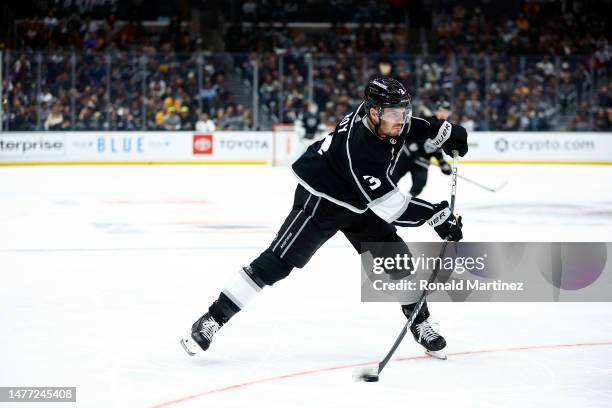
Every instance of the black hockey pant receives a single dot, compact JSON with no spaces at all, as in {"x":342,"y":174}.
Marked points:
{"x":312,"y":221}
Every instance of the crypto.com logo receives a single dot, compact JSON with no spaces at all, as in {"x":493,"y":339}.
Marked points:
{"x":501,"y":145}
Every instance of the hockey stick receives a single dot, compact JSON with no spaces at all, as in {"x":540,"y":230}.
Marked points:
{"x":371,"y":374}
{"x":493,"y":190}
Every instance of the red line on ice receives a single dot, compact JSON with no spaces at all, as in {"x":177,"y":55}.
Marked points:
{"x":355,"y":365}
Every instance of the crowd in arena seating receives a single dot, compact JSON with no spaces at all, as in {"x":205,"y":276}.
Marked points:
{"x":321,"y":10}
{"x":499,"y":73}
{"x":524,"y":73}
{"x":571,"y":54}
{"x":101,"y":75}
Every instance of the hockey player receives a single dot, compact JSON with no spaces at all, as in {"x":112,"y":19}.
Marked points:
{"x":416,"y":155}
{"x":344,"y":184}
{"x":308,"y":122}
{"x":308,"y":127}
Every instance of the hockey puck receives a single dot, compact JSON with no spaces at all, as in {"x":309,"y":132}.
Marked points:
{"x":370,"y":378}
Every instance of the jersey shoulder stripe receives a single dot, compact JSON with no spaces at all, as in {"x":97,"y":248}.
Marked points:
{"x":348,"y":154}
{"x":424,"y":120}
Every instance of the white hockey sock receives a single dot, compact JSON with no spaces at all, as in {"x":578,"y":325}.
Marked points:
{"x":241,"y":289}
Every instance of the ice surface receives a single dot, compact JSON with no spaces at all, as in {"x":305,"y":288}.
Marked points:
{"x":104,"y":268}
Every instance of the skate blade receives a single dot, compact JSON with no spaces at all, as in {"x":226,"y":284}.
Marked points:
{"x":190,"y":346}
{"x":440,"y":354}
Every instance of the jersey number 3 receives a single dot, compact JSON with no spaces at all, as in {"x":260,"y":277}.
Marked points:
{"x":373,"y":181}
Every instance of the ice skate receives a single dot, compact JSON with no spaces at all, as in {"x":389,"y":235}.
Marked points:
{"x":201,"y":336}
{"x":433,"y":343}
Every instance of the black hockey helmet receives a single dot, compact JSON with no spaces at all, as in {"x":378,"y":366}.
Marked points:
{"x":386,"y":92}
{"x":442,"y":104}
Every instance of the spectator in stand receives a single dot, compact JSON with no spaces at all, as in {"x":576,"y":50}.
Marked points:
{"x":208,"y":93}
{"x":228,"y":120}
{"x":187,"y":122}
{"x":239,"y":122}
{"x":55,"y":119}
{"x":581,"y":121}
{"x":219,"y":117}
{"x":172,"y":121}
{"x":125,"y":120}
{"x":602,"y":120}
{"x":205,"y":124}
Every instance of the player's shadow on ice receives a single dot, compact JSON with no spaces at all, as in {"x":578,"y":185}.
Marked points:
{"x":205,"y":361}
{"x":208,"y":360}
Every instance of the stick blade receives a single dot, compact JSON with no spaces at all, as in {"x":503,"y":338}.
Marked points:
{"x":502,"y":185}
{"x":367,"y":374}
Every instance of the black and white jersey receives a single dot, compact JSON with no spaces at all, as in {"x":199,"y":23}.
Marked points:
{"x":352,"y":168}
{"x":311,"y":125}
{"x":419,"y":151}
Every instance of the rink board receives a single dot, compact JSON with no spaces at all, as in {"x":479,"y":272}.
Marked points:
{"x":274,"y":148}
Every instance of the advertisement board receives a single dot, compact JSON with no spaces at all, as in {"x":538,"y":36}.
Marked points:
{"x":225,"y":147}
{"x":540,"y":147}
{"x":32,"y":146}
{"x":135,"y":147}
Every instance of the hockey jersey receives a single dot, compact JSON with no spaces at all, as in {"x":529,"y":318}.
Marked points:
{"x":352,"y":168}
